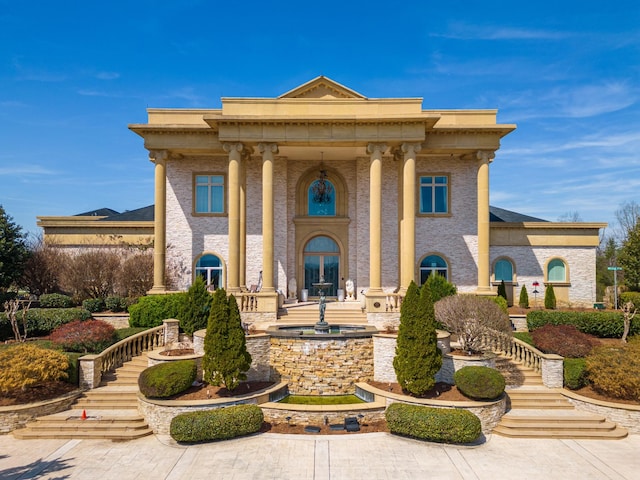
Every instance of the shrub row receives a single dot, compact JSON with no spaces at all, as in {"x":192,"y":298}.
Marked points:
{"x":219,"y":424}
{"x":479,"y":383}
{"x":599,"y":324}
{"x":151,"y":310}
{"x":443,"y":425}
{"x":114,"y":304}
{"x":564,"y":340}
{"x":42,"y":321}
{"x":166,"y":379}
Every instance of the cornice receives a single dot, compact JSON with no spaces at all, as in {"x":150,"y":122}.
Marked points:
{"x":550,"y":225}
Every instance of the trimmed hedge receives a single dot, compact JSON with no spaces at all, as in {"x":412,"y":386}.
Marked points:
{"x":444,"y":425}
{"x":575,"y":374}
{"x":219,"y":424}
{"x":42,"y":321}
{"x":166,"y":379}
{"x":479,"y":382}
{"x":116,"y":304}
{"x":94,"y":305}
{"x":599,"y":324}
{"x":151,"y":310}
{"x":56,"y":300}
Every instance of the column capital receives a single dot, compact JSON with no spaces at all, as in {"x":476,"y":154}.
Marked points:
{"x":486,"y":156}
{"x":267,"y":148}
{"x":159,"y":156}
{"x":372,"y":148}
{"x":409,"y":148}
{"x":233,"y":147}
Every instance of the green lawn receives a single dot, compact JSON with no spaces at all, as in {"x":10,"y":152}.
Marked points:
{"x":321,"y":399}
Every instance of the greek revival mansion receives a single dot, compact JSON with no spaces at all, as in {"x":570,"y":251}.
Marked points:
{"x":267,"y":196}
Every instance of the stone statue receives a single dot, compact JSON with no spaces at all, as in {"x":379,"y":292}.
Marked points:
{"x":350,"y":287}
{"x":293,"y":289}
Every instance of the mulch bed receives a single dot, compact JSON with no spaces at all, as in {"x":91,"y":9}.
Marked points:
{"x":38,"y":393}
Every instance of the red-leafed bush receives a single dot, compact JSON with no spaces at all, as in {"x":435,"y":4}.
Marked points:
{"x":565,"y":340}
{"x":88,"y":336}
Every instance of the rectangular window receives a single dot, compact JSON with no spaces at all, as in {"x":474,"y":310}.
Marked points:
{"x":209,"y":194}
{"x":434,"y":194}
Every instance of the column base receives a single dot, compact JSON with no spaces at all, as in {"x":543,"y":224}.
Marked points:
{"x":485,"y":292}
{"x":158,"y":290}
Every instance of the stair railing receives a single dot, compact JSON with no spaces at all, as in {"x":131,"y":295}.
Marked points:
{"x":92,"y":367}
{"x":549,"y":365}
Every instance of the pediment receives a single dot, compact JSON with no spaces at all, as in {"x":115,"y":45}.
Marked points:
{"x":323,"y":88}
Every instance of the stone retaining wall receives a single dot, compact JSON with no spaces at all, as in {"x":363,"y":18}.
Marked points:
{"x":627,"y":416}
{"x":452,"y":363}
{"x":117,"y":320}
{"x":159,"y":413}
{"x":489,"y":413}
{"x":321,"y":366}
{"x":320,"y":414}
{"x":14,"y":417}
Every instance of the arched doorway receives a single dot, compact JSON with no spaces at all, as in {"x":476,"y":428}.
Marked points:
{"x":321,"y":258}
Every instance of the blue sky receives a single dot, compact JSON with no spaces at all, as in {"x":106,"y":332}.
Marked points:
{"x":74,"y":74}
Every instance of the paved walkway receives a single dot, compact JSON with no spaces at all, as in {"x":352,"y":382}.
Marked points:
{"x":350,"y":457}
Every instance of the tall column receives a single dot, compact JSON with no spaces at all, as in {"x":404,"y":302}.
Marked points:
{"x":408,"y":222}
{"x":484,"y":158}
{"x":267,"y":150}
{"x":242,"y":249}
{"x":375,"y":150}
{"x":159,"y":157}
{"x":233,"y":267}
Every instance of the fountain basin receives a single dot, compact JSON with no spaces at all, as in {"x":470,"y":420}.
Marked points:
{"x":321,"y":364}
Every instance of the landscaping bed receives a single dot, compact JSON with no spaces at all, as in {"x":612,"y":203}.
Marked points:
{"x":38,"y":393}
{"x":441,"y":391}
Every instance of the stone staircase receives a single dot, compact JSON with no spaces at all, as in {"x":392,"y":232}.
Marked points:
{"x":535,"y":411}
{"x":335,"y":313}
{"x":111,"y":411}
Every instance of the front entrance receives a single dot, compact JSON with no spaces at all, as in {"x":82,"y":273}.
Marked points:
{"x":321,"y":259}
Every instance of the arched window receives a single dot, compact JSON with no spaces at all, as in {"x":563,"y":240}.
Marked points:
{"x":433,"y":264}
{"x":503,"y":271}
{"x":322,"y":261}
{"x":556,"y":271}
{"x":321,"y":197}
{"x":209,"y":267}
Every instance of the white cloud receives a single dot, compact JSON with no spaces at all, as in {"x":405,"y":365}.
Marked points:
{"x":466,"y":31}
{"x":107,"y":75}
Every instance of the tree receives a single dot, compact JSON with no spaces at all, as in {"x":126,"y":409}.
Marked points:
{"x":42,"y":271}
{"x":92,"y":274}
{"x":136,"y":275}
{"x":417,"y":357}
{"x":439,"y":287}
{"x":226,"y":358}
{"x":12,"y":307}
{"x":628,"y":216}
{"x":606,"y":256}
{"x":502,"y":290}
{"x":570,"y":217}
{"x":629,"y":259}
{"x":471,"y":318}
{"x":194,"y":313}
{"x":14,"y":251}
{"x":549,"y":298}
{"x":629,"y":311}
{"x":524,"y":298}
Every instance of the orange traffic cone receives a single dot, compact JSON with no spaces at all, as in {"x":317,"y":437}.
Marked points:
{"x":84,"y":415}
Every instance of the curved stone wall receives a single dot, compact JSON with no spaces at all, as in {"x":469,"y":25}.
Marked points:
{"x":14,"y":417}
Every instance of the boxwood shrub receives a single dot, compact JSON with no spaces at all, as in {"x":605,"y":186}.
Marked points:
{"x":56,"y":300}
{"x":42,"y":321}
{"x":599,"y":324}
{"x":444,"y":425}
{"x":167,"y":379}
{"x":575,"y":374}
{"x":219,"y":424}
{"x":116,"y":304}
{"x":94,"y":305}
{"x":151,"y":310}
{"x":479,"y":382}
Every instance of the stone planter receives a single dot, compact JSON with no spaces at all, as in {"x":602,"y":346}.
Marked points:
{"x":16,"y":416}
{"x":155,"y":357}
{"x":452,"y":363}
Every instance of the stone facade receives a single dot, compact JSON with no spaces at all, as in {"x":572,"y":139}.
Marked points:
{"x":317,"y":366}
